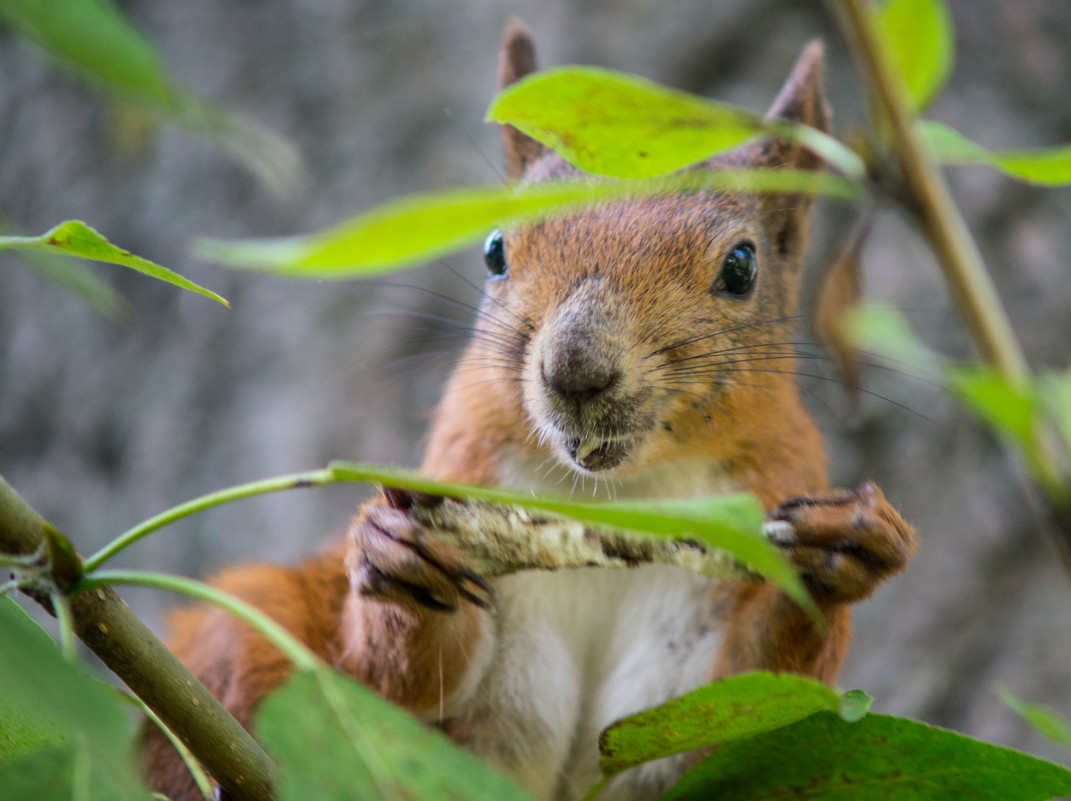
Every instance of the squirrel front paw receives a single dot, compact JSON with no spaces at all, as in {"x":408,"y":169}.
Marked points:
{"x":397,"y":559}
{"x":844,"y":542}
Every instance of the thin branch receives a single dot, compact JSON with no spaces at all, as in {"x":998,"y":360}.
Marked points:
{"x":938,"y":214}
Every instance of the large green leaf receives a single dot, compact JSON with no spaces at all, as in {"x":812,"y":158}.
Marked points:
{"x":425,"y":226}
{"x":880,"y":757}
{"x":1049,"y":166}
{"x":730,"y":524}
{"x":611,"y":123}
{"x":731,"y":709}
{"x":919,"y":35}
{"x":65,"y":735}
{"x":335,"y":739}
{"x":75,"y":238}
{"x":94,"y":39}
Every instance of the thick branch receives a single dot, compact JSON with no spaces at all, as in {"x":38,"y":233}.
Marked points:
{"x":114,"y":633}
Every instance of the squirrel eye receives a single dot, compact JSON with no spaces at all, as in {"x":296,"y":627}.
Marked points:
{"x":738,"y":271}
{"x":494,"y":253}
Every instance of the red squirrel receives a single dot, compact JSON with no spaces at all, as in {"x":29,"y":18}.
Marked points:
{"x":616,"y":343}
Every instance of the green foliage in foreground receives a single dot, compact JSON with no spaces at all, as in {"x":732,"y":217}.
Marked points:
{"x":63,"y":735}
{"x":880,"y":757}
{"x":335,"y":739}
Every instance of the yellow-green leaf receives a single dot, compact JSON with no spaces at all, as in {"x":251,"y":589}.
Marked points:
{"x":919,"y":34}
{"x":422,"y":227}
{"x":611,"y":123}
{"x":1007,"y":409}
{"x":75,"y":238}
{"x":1050,"y":166}
{"x":729,"y":523}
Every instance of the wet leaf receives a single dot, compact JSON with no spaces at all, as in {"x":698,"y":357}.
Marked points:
{"x":75,"y":238}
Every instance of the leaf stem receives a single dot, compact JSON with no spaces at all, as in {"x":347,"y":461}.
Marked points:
{"x":295,"y":651}
{"x":311,"y":478}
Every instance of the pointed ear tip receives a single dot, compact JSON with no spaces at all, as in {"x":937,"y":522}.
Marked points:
{"x":516,"y":36}
{"x":812,"y":60}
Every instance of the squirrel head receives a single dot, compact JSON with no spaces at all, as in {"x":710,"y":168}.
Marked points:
{"x":628,"y":327}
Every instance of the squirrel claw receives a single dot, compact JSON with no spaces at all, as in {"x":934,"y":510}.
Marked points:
{"x":844,"y":543}
{"x":397,"y":559}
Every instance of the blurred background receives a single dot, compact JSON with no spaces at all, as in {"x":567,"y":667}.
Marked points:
{"x":104,"y":423}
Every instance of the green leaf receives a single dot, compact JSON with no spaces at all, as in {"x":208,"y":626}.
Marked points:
{"x":422,"y":227}
{"x":335,"y":739}
{"x":75,"y":238}
{"x":1044,"y":166}
{"x":731,"y":524}
{"x":882,"y":331}
{"x":611,"y":123}
{"x":20,"y":734}
{"x":55,"y":715}
{"x":880,"y":757}
{"x":95,"y":40}
{"x":1054,"y":392}
{"x":919,"y":34}
{"x":1009,"y":410}
{"x":731,"y":709}
{"x":1043,"y":720}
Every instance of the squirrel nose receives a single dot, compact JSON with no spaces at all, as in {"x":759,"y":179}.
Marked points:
{"x":574,"y":372}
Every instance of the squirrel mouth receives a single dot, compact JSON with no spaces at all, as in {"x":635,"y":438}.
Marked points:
{"x":594,"y":455}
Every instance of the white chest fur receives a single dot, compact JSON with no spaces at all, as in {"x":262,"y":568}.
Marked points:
{"x":570,"y":652}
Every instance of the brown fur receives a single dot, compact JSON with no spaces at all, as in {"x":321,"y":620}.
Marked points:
{"x":626,"y":289}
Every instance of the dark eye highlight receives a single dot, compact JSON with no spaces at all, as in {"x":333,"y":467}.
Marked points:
{"x":494,"y":253}
{"x":738,"y":271}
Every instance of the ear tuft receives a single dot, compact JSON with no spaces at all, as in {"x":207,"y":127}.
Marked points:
{"x":517,"y":59}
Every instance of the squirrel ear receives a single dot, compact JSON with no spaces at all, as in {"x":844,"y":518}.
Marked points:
{"x":515,"y":60}
{"x":802,"y":99}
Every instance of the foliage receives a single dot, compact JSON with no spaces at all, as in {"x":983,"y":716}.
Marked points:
{"x":64,"y":735}
{"x":75,"y":238}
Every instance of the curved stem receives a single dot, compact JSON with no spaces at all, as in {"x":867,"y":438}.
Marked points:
{"x":311,"y":478}
{"x":295,"y":651}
